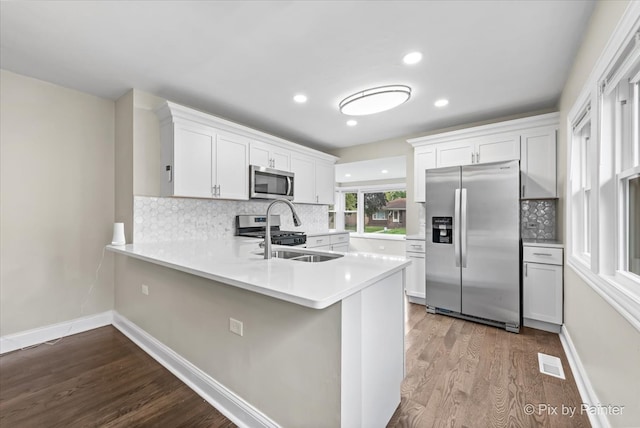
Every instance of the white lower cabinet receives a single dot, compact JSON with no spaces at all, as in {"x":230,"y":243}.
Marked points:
{"x":330,"y":242}
{"x":542,"y":295}
{"x":416,"y":274}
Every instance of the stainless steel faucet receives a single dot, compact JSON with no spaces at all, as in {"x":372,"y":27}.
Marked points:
{"x":267,"y":235}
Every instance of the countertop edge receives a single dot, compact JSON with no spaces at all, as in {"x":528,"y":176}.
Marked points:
{"x":309,"y":303}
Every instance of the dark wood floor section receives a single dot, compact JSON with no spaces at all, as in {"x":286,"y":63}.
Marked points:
{"x":464,"y":374}
{"x":459,"y":374}
{"x":96,"y":379}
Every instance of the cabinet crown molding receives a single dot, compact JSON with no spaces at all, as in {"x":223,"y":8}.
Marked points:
{"x":172,"y":112}
{"x":526,"y":123}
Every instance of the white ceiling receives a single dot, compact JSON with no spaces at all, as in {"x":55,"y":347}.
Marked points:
{"x":395,"y":167}
{"x":244,"y":60}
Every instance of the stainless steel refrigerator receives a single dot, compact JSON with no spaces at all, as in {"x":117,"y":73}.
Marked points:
{"x":473,"y":243}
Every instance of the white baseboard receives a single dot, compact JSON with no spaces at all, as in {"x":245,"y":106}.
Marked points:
{"x":585,"y":388}
{"x":24,"y":339}
{"x":228,"y":403}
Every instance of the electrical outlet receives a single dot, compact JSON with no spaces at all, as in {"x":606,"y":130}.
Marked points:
{"x":532,"y":225}
{"x":235,"y":326}
{"x":145,"y":289}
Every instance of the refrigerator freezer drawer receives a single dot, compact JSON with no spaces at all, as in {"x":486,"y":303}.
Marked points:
{"x":550,"y":256}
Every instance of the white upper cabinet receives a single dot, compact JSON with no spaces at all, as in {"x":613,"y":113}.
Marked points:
{"x":314,"y":180}
{"x":304,"y":187}
{"x":231,"y":172}
{"x":192,"y":163}
{"x":490,"y":148}
{"x":270,"y":156}
{"x":496,"y":148}
{"x":207,"y":157}
{"x":532,"y":140}
{"x":538,"y":164}
{"x":454,"y":153}
{"x":325,"y":178}
{"x":423,"y":158}
{"x":205,"y":163}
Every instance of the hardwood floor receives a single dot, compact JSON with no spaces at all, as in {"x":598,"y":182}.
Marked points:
{"x":459,"y":374}
{"x":98,"y":378}
{"x":463,"y":374}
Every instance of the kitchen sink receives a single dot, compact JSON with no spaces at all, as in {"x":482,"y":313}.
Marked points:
{"x":303,"y":256}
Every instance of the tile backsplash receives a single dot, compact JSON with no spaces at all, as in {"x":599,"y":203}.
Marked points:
{"x":181,"y":219}
{"x":538,"y":219}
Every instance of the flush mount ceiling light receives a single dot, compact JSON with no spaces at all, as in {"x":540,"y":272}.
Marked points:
{"x":375,"y":100}
{"x":441,"y":102}
{"x":412,"y":58}
{"x":300,"y":98}
{"x":352,"y":122}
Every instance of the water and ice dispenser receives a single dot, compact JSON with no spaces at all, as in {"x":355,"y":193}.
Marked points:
{"x":442,"y":230}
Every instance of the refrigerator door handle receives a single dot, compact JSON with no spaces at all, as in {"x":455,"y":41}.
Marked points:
{"x":463,"y":227}
{"x":456,"y":228}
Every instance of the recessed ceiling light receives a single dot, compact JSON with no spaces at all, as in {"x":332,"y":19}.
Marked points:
{"x":412,"y":58}
{"x":352,"y":122}
{"x":347,"y":175}
{"x":375,"y":100}
{"x":300,"y":98}
{"x":384,"y":171}
{"x":441,"y":102}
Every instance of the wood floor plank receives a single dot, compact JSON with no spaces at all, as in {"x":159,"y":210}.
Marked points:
{"x":470,"y":375}
{"x":96,"y":378}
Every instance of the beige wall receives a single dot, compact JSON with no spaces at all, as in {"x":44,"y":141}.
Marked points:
{"x":124,"y":163}
{"x":56,"y":199}
{"x":292,"y":384}
{"x":146,"y":150}
{"x":608,"y":346}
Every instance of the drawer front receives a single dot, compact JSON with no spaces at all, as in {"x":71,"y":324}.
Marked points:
{"x":552,"y":256}
{"x":318,"y":241}
{"x":341,"y":238}
{"x":415,"y":246}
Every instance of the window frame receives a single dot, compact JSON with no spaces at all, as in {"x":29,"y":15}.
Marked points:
{"x":604,"y":271}
{"x":361,"y":190}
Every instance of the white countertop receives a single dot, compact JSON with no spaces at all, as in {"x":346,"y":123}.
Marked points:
{"x":551,"y":243}
{"x":236,"y":262}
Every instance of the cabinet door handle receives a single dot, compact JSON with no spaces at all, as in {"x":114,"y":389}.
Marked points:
{"x":542,"y":254}
{"x":473,"y":156}
{"x":319,"y":240}
{"x":317,"y":198}
{"x":477,"y":157}
{"x":523,"y":190}
{"x":525,"y":269}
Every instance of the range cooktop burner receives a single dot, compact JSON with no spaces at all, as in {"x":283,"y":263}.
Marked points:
{"x":254,"y":226}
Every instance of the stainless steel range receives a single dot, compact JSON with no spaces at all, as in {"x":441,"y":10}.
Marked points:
{"x":254,"y":226}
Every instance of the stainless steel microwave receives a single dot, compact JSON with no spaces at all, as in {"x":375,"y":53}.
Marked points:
{"x":267,"y":183}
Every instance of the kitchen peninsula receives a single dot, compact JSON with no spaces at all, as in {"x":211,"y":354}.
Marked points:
{"x":320,"y":344}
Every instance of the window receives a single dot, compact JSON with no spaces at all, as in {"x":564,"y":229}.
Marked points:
{"x":633,"y":224}
{"x":350,"y":212}
{"x":332,"y":217}
{"x":603,"y":170}
{"x":379,"y":215}
{"x":580,"y":183}
{"x":368,"y":210}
